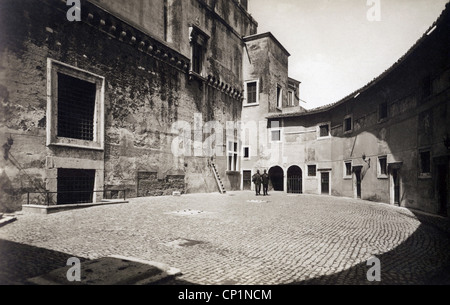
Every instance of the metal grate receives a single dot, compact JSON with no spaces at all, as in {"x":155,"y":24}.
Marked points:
{"x":76,"y":108}
{"x":75,"y":186}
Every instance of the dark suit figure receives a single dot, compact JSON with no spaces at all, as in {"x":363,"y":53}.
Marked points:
{"x":257,"y":180}
{"x":265,"y":181}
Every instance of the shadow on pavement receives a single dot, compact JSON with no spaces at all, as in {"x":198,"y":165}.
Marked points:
{"x":423,"y":259}
{"x":19,"y":262}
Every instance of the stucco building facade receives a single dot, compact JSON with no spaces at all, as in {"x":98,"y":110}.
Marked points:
{"x":387,"y":142}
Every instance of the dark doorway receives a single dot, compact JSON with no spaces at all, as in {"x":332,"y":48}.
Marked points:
{"x":277,"y":178}
{"x":295,"y":180}
{"x":396,"y":185}
{"x":358,"y":181}
{"x":325,"y":182}
{"x":442,"y":188}
{"x":75,"y":186}
{"x":247,"y":176}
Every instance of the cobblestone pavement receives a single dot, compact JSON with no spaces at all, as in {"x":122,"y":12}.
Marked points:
{"x":236,"y":239}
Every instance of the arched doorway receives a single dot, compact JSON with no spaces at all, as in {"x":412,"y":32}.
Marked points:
{"x":295,"y":180}
{"x":277,"y":178}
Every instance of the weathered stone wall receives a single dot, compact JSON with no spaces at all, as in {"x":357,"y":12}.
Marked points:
{"x":147,"y":89}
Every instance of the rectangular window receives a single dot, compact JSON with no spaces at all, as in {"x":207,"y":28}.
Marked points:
{"x":197,"y":57}
{"x":382,"y":167}
{"x":348,"y":124}
{"x":198,"y":45}
{"x":246,"y":152}
{"x":383,"y":111}
{"x":275,"y":131}
{"x":427,"y":87}
{"x":75,"y":186}
{"x":291,"y":99}
{"x":279,"y":97}
{"x":75,"y":105}
{"x":425,"y":163}
{"x":312,"y":170}
{"x":232,"y":156}
{"x":76,"y":108}
{"x":348,"y":169}
{"x":324,"y":130}
{"x":252,"y":93}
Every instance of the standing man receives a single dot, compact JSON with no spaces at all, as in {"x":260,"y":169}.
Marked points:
{"x":257,"y":180}
{"x":265,"y":181}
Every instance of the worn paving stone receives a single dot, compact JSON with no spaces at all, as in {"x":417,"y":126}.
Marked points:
{"x":287,"y":240}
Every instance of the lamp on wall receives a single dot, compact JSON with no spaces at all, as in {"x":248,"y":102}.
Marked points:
{"x":447,"y":141}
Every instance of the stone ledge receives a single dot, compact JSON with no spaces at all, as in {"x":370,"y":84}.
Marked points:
{"x":45,"y":210}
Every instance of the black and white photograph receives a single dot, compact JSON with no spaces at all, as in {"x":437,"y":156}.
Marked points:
{"x":240,"y":145}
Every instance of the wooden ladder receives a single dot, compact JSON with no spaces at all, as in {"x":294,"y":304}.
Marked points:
{"x":218,"y":180}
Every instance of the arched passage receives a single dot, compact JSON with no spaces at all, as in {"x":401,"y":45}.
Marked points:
{"x":276,"y":174}
{"x":295,"y":180}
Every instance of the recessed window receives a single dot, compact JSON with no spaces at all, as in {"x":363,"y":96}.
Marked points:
{"x":383,"y":111}
{"x":348,"y":124}
{"x":75,"y":107}
{"x":252,"y":93}
{"x":382,"y":167}
{"x":312,"y":170}
{"x":246,"y":152}
{"x":275,"y":131}
{"x":198,"y":46}
{"x":279,"y":97}
{"x":425,"y":163}
{"x":324,"y":130}
{"x":232,"y":156}
{"x":348,"y":169}
{"x":75,"y":186}
{"x":427,"y":87}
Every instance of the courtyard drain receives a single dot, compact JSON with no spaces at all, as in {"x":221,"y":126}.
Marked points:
{"x":183,"y":243}
{"x":187,"y":213}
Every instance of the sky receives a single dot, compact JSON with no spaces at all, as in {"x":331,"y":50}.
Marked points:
{"x":335,"y":49}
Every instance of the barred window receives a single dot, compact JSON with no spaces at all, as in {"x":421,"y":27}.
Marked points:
{"x":76,"y":108}
{"x":252,"y":93}
{"x":312,"y":170}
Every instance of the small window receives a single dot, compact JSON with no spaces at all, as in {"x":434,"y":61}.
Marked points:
{"x":198,"y":46}
{"x":324,"y":130}
{"x":76,"y":108}
{"x":291,"y":99}
{"x":348,"y":169}
{"x":383,"y":111}
{"x":76,"y":104}
{"x":246,"y":152}
{"x":232,"y":156}
{"x":348,"y":124}
{"x":279,"y":97}
{"x":312,"y":170}
{"x":275,"y":131}
{"x":425,"y":163}
{"x":382,"y":167}
{"x":252,"y":93}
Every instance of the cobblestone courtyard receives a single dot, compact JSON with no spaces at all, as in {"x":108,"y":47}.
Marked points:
{"x":236,"y":239}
